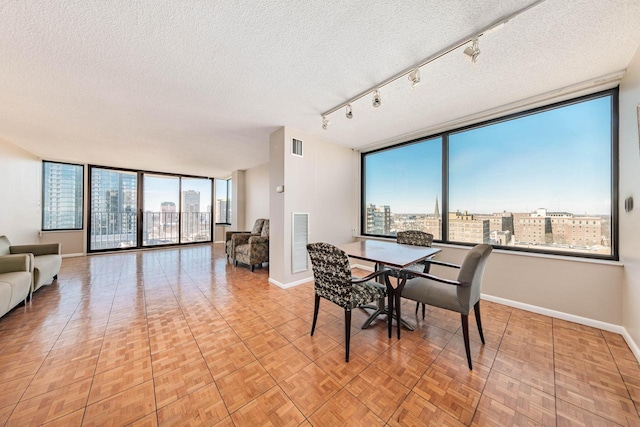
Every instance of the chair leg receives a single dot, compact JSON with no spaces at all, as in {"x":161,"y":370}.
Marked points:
{"x":423,"y":310}
{"x":55,"y":277}
{"x":465,"y":334}
{"x":476,"y":309}
{"x":398,"y":314}
{"x":390,"y":310}
{"x":417,"y":307}
{"x":315,"y":314}
{"x":252,"y":267}
{"x":347,"y":333}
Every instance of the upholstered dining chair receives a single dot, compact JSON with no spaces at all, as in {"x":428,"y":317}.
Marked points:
{"x":459,"y":295}
{"x":333,"y":281}
{"x":417,"y":238}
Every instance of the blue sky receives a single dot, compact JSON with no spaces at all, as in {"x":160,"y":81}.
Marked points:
{"x":158,"y":189}
{"x":559,"y":160}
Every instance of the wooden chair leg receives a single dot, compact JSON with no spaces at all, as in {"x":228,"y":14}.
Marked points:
{"x":476,"y":309}
{"x":347,"y":332}
{"x":465,"y":334}
{"x":315,"y":314}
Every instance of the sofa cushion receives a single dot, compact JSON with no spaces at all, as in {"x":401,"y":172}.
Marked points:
{"x":265,"y":229}
{"x":45,"y":267}
{"x":14,"y":288}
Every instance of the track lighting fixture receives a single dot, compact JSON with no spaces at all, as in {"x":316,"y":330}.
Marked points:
{"x":377,"y":101}
{"x":413,"y":73}
{"x":473,"y":51}
{"x":414,"y":77}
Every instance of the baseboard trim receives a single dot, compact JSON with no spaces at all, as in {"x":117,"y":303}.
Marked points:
{"x":72,"y":255}
{"x":632,"y":345}
{"x":618,"y":329}
{"x":290,"y":284}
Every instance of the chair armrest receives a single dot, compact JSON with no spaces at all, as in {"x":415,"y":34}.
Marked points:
{"x":240,"y":239}
{"x":410,"y":274}
{"x":229,"y":234}
{"x":13,"y":263}
{"x":37,"y":249}
{"x":256,"y":240}
{"x":444,"y":264}
{"x":373,"y":275}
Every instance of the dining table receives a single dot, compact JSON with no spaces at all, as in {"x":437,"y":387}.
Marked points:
{"x":387,"y":254}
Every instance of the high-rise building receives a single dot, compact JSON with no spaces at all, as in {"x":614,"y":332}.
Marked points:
{"x":379,"y":220}
{"x":63,"y":196}
{"x":113,"y":202}
{"x":190,"y":218}
{"x":498,"y":221}
{"x":561,"y":228}
{"x":191,"y":201}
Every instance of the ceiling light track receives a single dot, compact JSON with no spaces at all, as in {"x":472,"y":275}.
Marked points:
{"x":413,"y":72}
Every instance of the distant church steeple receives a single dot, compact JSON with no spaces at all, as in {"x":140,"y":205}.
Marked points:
{"x":436,"y":213}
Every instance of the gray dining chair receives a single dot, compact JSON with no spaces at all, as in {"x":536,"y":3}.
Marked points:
{"x":334,"y":282}
{"x":417,"y":238}
{"x":460,"y":295}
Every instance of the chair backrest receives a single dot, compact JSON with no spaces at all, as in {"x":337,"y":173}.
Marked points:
{"x":415,"y":238}
{"x":257,"y":227}
{"x":4,"y":245}
{"x":331,"y":272}
{"x":265,"y":228}
{"x":471,"y":272}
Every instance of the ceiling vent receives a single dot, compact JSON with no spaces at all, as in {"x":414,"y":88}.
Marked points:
{"x":296,"y":147}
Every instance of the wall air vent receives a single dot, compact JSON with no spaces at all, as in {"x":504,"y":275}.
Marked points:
{"x":300,"y":238}
{"x":296,"y":148}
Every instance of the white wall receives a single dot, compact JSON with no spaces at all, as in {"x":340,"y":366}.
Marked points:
{"x":630,"y":186}
{"x":20,"y":194}
{"x":237,"y":201}
{"x":321,"y":184}
{"x":256,"y":194}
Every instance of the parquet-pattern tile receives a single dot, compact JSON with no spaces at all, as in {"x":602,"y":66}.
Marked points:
{"x":182,"y":337}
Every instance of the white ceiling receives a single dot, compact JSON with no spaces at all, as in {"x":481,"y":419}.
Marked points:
{"x":196,"y":87}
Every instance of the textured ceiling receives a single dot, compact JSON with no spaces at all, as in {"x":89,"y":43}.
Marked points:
{"x":196,"y":87}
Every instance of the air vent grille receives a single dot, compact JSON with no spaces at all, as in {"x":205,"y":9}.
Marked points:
{"x":300,"y":238}
{"x":296,"y":147}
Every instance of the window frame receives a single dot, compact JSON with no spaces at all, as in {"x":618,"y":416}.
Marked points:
{"x":140,"y":207}
{"x":227,"y":215}
{"x":444,"y":135}
{"x":82,"y":207}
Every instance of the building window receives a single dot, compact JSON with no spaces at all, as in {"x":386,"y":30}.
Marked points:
{"x":521,"y":182}
{"x":223,"y":201}
{"x":62,"y":196}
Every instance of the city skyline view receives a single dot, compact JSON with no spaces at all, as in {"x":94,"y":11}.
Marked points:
{"x":559,"y":159}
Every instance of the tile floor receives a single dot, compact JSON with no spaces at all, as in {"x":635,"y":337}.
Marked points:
{"x":181,"y":337}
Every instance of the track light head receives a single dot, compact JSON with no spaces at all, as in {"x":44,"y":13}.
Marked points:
{"x":473,"y":51}
{"x":377,"y":101}
{"x":325,"y":122}
{"x":349,"y":112}
{"x":414,"y":77}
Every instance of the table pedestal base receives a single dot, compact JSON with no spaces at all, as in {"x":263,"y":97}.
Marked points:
{"x":379,"y":310}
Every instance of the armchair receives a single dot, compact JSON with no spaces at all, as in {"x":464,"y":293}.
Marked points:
{"x":333,"y":281}
{"x":15,"y":281}
{"x":229,"y":242}
{"x":45,"y":263}
{"x":459,"y":295}
{"x":250,"y":249}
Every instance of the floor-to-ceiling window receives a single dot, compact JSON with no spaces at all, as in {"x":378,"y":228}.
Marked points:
{"x":62,"y":196}
{"x":196,"y":207}
{"x":543,"y":180}
{"x":113,"y":209}
{"x":130,"y":209}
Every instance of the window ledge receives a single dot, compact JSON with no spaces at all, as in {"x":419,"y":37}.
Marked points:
{"x":516,"y":253}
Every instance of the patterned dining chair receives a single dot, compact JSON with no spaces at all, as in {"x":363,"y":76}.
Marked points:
{"x":417,"y":238}
{"x":459,"y":295}
{"x":333,"y":281}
